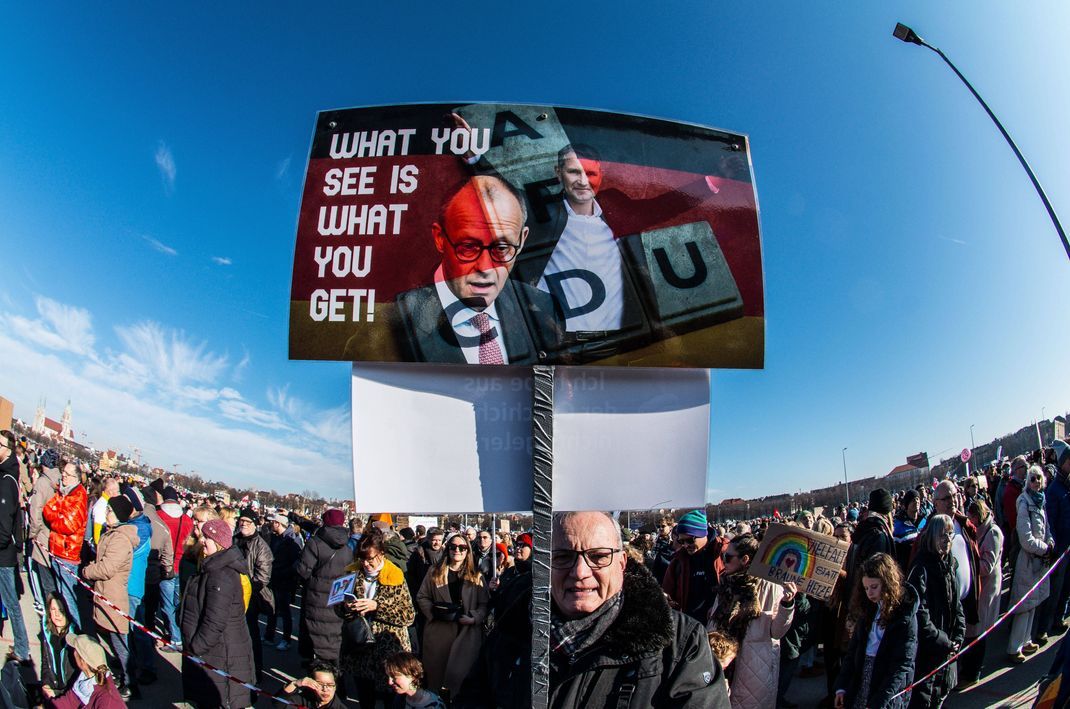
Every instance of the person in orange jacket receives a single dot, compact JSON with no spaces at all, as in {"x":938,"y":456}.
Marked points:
{"x":65,"y":515}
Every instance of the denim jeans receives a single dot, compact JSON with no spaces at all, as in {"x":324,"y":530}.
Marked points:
{"x":120,"y":646}
{"x":10,"y":598}
{"x":169,"y":597}
{"x":66,"y":573}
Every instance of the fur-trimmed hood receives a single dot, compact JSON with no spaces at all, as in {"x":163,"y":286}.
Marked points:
{"x":644,"y":624}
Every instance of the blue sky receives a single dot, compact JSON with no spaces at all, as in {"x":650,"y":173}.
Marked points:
{"x":150,"y":170}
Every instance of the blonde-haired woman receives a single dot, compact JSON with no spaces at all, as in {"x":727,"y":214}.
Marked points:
{"x":454,"y":601}
{"x":1034,"y":557}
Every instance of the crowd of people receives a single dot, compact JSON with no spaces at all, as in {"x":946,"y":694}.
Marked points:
{"x":668,"y":615}
{"x":923,"y":580}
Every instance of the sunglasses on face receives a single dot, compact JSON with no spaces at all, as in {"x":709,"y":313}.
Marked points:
{"x":457,"y":547}
{"x":685,"y":541}
{"x":728,"y":556}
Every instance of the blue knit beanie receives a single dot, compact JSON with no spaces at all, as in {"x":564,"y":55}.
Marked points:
{"x":693,"y":523}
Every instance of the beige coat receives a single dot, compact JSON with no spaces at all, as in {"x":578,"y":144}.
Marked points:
{"x":111,"y":574}
{"x":757,"y":666}
{"x":990,"y":576}
{"x":450,"y":649}
{"x":1036,"y":541}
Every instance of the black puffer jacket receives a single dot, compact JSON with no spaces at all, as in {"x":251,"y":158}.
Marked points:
{"x":258,"y":554}
{"x":650,"y":657}
{"x":9,"y":510}
{"x":941,"y":622}
{"x":324,"y":559}
{"x":213,"y":628}
{"x":893,"y":666}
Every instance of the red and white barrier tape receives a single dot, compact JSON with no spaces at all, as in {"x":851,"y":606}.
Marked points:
{"x":193,"y":658}
{"x":1010,"y":612}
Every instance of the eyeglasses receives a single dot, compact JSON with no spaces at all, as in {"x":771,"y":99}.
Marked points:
{"x":371,"y":559}
{"x":470,"y":250}
{"x":457,"y":547}
{"x":728,"y":556}
{"x":685,"y":541}
{"x":596,"y":558}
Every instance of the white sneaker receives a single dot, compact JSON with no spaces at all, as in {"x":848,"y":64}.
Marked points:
{"x":283,"y":646}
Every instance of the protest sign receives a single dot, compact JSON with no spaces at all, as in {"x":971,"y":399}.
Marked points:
{"x":809,"y":559}
{"x":439,"y":439}
{"x":630,"y":438}
{"x":582,"y":236}
{"x":340,"y":587}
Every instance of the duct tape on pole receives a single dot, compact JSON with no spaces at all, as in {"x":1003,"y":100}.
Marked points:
{"x":542,"y":434}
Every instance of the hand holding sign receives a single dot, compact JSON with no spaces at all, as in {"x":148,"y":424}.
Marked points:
{"x":800,"y":559}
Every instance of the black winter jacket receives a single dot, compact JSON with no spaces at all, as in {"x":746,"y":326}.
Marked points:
{"x":893,"y":667}
{"x":258,"y":554}
{"x":872,"y":536}
{"x":9,"y":509}
{"x":941,"y":622}
{"x":651,"y":656}
{"x":324,"y":559}
{"x":285,"y":552}
{"x":214,"y":628}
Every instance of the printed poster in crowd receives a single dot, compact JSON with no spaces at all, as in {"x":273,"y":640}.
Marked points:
{"x":519,"y":234}
{"x":809,"y":559}
{"x":340,"y":587}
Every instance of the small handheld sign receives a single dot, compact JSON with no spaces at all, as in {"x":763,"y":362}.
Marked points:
{"x":340,"y":587}
{"x":965,"y":455}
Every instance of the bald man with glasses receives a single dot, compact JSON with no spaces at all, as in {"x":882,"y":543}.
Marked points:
{"x":614,"y":641}
{"x":471,"y":312}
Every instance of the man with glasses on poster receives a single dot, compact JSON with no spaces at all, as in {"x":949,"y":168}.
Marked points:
{"x":614,"y":641}
{"x":471,"y":313}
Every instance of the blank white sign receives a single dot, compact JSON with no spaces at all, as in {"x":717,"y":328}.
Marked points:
{"x":441,"y":438}
{"x":630,"y":438}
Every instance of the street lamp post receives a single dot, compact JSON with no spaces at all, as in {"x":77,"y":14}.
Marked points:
{"x":846,"y":486}
{"x":972,"y":444}
{"x":908,"y":35}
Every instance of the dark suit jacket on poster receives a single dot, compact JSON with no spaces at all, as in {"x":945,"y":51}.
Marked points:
{"x":532,"y":326}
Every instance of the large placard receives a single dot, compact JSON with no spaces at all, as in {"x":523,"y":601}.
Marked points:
{"x":440,"y":439}
{"x":518,"y":234}
{"x":809,"y":559}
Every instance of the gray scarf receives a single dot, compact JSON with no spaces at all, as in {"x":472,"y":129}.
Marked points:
{"x":572,"y":637}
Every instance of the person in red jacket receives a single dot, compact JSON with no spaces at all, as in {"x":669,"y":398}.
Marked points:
{"x":1011,"y":492}
{"x":65,"y":515}
{"x":179,"y":524}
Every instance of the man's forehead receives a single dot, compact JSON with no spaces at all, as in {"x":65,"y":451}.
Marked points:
{"x":473,"y":213}
{"x":585,"y":530}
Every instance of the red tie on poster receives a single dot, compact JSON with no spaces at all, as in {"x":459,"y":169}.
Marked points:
{"x":489,"y":351}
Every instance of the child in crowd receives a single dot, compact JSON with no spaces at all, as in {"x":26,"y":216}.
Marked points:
{"x":405,"y":675}
{"x":320,"y":689}
{"x":725,"y":649}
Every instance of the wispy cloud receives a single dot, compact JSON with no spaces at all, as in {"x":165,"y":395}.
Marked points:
{"x":960,"y":242}
{"x":168,"y":357}
{"x":221,"y":261}
{"x":160,"y":246}
{"x":160,"y":389}
{"x":282,"y":169}
{"x":60,"y":327}
{"x":165,"y":163}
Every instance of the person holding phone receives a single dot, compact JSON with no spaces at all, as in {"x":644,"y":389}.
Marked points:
{"x":381,"y":596}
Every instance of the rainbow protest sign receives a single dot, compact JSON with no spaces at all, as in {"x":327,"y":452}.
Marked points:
{"x":809,"y":559}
